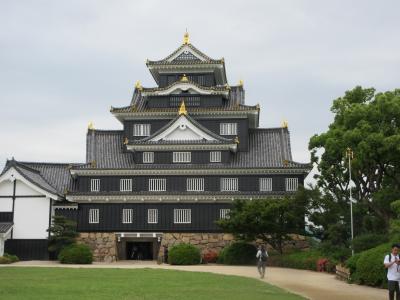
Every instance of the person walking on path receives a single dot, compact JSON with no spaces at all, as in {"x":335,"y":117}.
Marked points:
{"x":261,"y":256}
{"x":392,"y":264}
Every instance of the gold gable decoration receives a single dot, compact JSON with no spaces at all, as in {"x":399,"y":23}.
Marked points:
{"x":90,"y":126}
{"x":285,"y":124}
{"x":138,"y":85}
{"x":184,"y":78}
{"x":182,"y":109}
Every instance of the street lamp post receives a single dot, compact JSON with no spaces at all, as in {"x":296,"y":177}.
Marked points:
{"x":349,"y":155}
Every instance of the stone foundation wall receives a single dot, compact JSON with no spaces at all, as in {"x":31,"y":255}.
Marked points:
{"x":204,"y":241}
{"x":102,"y":244}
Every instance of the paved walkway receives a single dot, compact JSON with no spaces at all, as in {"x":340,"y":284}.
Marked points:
{"x":312,"y":285}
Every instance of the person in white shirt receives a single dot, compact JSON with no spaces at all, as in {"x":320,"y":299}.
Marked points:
{"x":392,"y":264}
{"x":261,"y":256}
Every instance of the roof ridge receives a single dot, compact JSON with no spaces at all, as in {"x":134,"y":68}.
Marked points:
{"x":106,"y":130}
{"x":268,"y":129}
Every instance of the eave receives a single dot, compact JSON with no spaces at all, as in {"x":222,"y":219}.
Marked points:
{"x":190,"y":147}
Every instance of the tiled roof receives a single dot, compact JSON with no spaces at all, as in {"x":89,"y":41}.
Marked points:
{"x":235,"y":102}
{"x":165,"y":61}
{"x":222,"y":88}
{"x":52,"y":177}
{"x":4,"y":227}
{"x":268,"y":148}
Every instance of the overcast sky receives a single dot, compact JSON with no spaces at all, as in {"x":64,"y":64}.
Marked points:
{"x":64,"y":63}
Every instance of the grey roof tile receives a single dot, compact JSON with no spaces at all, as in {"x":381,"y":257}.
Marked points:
{"x":4,"y":227}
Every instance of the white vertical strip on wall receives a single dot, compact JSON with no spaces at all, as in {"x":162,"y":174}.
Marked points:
{"x":215,"y":156}
{"x":125,"y":185}
{"x":93,"y":216}
{"x":148,"y":157}
{"x":95,"y":185}
{"x":229,"y":184}
{"x":182,"y":216}
{"x":195,"y":184}
{"x":265,"y":184}
{"x":291,"y":184}
{"x":157,"y":184}
{"x":152,"y":216}
{"x":127,"y":215}
{"x":224,"y":213}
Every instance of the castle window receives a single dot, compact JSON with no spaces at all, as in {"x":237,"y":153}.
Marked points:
{"x":224,"y":213}
{"x":265,"y":184}
{"x":229,"y":184}
{"x":292,"y":184}
{"x":181,"y":157}
{"x":148,"y":157}
{"x":228,"y":129}
{"x":141,"y":129}
{"x":215,"y":156}
{"x":152,"y":216}
{"x":93,"y":216}
{"x":182,"y":216}
{"x":95,"y":185}
{"x":127,"y":215}
{"x":157,"y":184}
{"x":125,"y":185}
{"x":195,"y":184}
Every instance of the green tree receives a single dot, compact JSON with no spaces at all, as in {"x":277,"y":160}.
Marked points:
{"x":271,"y":220}
{"x":62,"y":234}
{"x":369,"y":124}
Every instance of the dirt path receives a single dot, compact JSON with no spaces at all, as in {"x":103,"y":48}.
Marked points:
{"x":309,"y":284}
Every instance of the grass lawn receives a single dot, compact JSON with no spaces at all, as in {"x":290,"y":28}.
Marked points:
{"x":68,"y":283}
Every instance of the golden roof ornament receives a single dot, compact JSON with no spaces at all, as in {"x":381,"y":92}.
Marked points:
{"x":126,"y":141}
{"x":240,"y":82}
{"x":93,"y":164}
{"x":186,"y":39}
{"x":184,"y":78}
{"x":285,"y":124}
{"x":236,"y":140}
{"x":90,"y":126}
{"x":182,"y":109}
{"x":138,"y":85}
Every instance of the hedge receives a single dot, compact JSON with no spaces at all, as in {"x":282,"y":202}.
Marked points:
{"x":8,"y":259}
{"x":304,"y":260}
{"x":76,"y":254}
{"x":367,"y":267}
{"x":368,"y":241}
{"x":239,"y":253}
{"x":184,"y":254}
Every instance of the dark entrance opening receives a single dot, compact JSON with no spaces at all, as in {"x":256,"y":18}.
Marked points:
{"x":139,"y":250}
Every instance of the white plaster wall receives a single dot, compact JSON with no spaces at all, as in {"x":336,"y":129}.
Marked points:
{"x":6,"y":188}
{"x":31,"y":218}
{"x":5,"y":204}
{"x":23,"y":190}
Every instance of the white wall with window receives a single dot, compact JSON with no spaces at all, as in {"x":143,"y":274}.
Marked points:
{"x":229,"y":184}
{"x":265,"y":184}
{"x":95,"y":185}
{"x":141,"y":129}
{"x":195,"y":184}
{"x":181,"y":157}
{"x":182,"y":216}
{"x":127,"y":215}
{"x":148,"y":157}
{"x":291,"y":184}
{"x":93,"y":216}
{"x":152,"y":216}
{"x":228,"y":129}
{"x":215,"y":156}
{"x":224,"y":213}
{"x":125,"y":185}
{"x":157,"y":184}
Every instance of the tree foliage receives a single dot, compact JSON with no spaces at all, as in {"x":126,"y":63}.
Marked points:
{"x":271,"y":220}
{"x":369,"y":124}
{"x":62,"y":234}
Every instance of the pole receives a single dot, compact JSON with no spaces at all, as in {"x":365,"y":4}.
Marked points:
{"x":350,"y":156}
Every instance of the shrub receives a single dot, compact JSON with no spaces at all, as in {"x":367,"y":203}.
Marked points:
{"x":184,"y":254}
{"x":13,"y":258}
{"x":5,"y":260}
{"x":210,"y":257}
{"x":238,"y":253}
{"x":368,"y":241}
{"x":369,"y":268}
{"x":76,"y":254}
{"x":351,"y":263}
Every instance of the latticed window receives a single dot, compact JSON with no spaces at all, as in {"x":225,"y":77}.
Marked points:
{"x":182,"y":216}
{"x":215,"y":156}
{"x":127,"y":215}
{"x":157,"y":184}
{"x":175,"y":101}
{"x":228,"y":129}
{"x":265,"y":184}
{"x":195,"y":184}
{"x":224,"y":213}
{"x":141,"y":129}
{"x":291,"y":184}
{"x":229,"y":184}
{"x":181,"y":157}
{"x":148,"y":157}
{"x":93,"y":216}
{"x":95,"y":185}
{"x":186,"y":55}
{"x":125,"y":185}
{"x":152,"y":216}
